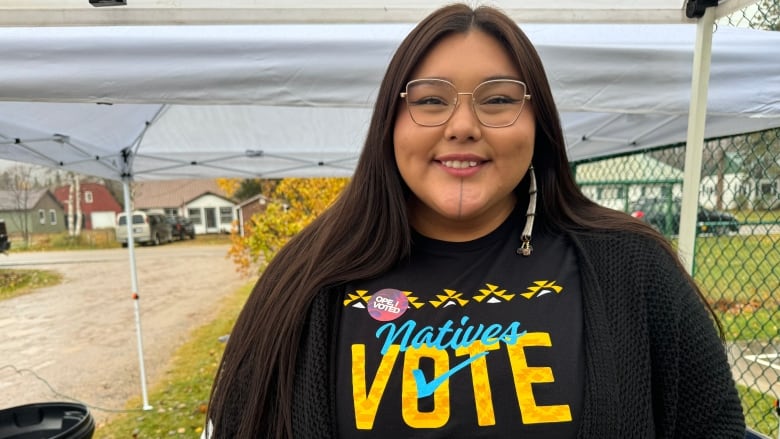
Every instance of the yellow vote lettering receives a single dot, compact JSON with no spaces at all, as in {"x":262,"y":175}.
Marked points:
{"x":441,"y":397}
{"x":367,"y":403}
{"x":483,"y":397}
{"x":525,"y":376}
{"x":367,"y":399}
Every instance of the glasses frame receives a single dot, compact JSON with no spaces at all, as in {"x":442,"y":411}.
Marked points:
{"x":404,"y":95}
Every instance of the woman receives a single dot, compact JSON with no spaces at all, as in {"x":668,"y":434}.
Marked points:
{"x":462,"y":285}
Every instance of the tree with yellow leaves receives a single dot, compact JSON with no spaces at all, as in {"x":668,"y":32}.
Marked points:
{"x":229,"y":185}
{"x":294,"y":203}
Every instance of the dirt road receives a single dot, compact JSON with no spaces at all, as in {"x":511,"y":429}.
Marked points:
{"x":80,"y":336}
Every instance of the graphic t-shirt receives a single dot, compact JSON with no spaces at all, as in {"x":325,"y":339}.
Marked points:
{"x":465,"y":340}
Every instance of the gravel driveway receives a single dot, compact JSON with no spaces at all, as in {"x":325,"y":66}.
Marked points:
{"x":80,"y":336}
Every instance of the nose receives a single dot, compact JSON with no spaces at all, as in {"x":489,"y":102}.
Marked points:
{"x":463,"y":124}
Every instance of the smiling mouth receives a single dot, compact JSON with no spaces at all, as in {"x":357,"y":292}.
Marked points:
{"x":460,"y":164}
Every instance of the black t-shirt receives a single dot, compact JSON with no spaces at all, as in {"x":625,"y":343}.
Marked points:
{"x":466,"y":340}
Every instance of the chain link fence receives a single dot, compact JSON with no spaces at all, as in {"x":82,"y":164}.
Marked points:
{"x":737,"y":249}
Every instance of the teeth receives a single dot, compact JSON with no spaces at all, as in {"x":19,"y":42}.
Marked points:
{"x":459,"y":164}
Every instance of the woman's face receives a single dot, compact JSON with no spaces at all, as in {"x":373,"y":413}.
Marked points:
{"x":462,"y":173}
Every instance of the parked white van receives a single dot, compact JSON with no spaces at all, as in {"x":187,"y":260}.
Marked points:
{"x":148,"y":228}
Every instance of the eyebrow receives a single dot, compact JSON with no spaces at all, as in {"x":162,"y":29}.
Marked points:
{"x":512,"y":77}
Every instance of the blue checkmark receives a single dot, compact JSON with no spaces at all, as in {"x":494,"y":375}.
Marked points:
{"x":426,"y":389}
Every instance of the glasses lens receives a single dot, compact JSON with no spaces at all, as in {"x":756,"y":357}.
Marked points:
{"x":430,"y":101}
{"x":499,"y":103}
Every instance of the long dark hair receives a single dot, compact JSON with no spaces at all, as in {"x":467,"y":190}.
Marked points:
{"x":366,"y":231}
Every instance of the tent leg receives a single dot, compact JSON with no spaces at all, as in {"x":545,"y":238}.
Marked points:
{"x":134,"y":286}
{"x":694,"y":146}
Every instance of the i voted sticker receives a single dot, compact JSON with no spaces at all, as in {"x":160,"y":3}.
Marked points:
{"x":387,"y":304}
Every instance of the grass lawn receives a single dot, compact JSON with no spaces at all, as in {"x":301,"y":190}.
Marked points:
{"x":758,"y":411}
{"x":17,"y":282}
{"x":761,"y":324}
{"x":740,"y":276}
{"x":179,"y":400}
{"x":99,"y":239}
{"x":738,"y":268}
{"x":758,"y":216}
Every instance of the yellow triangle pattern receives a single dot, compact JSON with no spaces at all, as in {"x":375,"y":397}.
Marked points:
{"x":540,"y":285}
{"x":357,"y":296}
{"x":493,"y":290}
{"x":413,"y":300}
{"x":450,"y":295}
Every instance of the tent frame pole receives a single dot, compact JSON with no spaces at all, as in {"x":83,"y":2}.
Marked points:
{"x":694,"y":146}
{"x":134,"y":287}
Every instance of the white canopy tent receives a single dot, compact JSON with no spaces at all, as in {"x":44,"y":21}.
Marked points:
{"x":156,"y":90}
{"x":151,"y":12}
{"x":282,"y":100}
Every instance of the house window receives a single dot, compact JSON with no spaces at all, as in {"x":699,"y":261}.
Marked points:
{"x":88,"y":197}
{"x":41,"y":216}
{"x":611,"y":193}
{"x":767,"y":188}
{"x":52,"y":216}
{"x":225,"y":215}
{"x":194,"y":215}
{"x":170,"y":211}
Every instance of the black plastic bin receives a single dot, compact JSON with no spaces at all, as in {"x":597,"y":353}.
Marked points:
{"x":48,"y":420}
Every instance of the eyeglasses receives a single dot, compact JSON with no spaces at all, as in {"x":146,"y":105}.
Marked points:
{"x":496,"y":103}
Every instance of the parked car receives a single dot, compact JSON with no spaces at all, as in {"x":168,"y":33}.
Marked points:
{"x":148,"y":228}
{"x":664,"y":215}
{"x":182,"y":227}
{"x":5,"y":244}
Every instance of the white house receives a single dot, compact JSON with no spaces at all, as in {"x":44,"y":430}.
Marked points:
{"x":619,"y":182}
{"x":210,"y":213}
{"x":201,"y":200}
{"x":738,"y":190}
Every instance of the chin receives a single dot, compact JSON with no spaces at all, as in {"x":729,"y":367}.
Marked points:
{"x":460,"y":214}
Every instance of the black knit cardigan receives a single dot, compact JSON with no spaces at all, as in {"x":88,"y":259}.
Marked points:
{"x":655,"y":366}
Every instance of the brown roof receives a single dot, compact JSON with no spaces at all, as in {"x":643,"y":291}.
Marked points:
{"x":171,"y":193}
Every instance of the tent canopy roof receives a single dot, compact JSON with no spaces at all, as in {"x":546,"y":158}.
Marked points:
{"x":292,"y":100}
{"x":156,"y":12}
{"x":276,"y":100}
